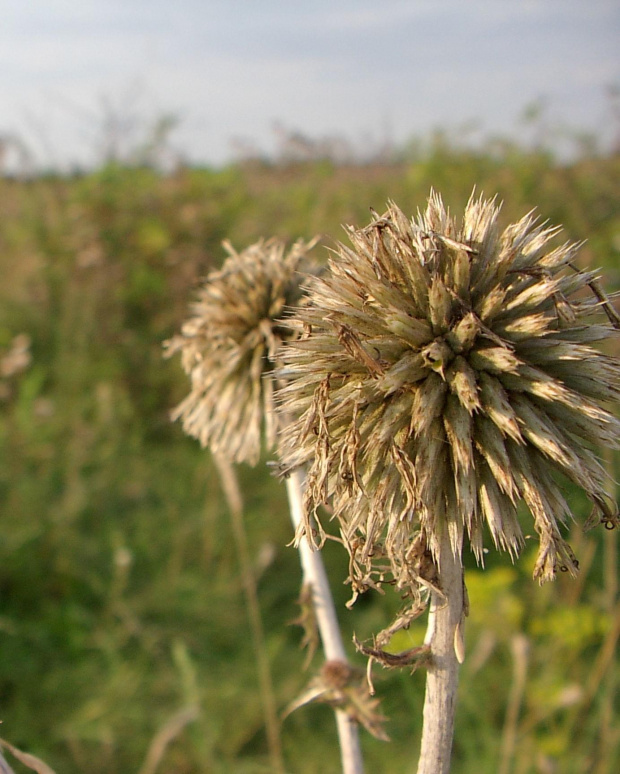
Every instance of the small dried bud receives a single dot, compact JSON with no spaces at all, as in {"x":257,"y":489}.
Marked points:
{"x":345,"y":688}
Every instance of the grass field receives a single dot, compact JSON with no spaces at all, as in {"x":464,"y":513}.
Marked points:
{"x":121,"y":603}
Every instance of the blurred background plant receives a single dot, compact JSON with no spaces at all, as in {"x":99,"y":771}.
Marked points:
{"x":120,"y":600}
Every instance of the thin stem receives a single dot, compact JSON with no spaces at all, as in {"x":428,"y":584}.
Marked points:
{"x":444,"y":624}
{"x":519,"y":646}
{"x":232,"y":492}
{"x":314,"y":574}
{"x":610,"y":559}
{"x":162,"y":739}
{"x":602,"y":683}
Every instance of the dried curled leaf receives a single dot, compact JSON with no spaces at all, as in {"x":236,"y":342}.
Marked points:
{"x":414,"y":658}
{"x":419,"y":656}
{"x":307,"y":621}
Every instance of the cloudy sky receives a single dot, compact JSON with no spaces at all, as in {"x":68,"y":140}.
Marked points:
{"x":77,"y":72}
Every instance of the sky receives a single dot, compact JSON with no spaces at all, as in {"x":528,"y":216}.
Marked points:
{"x":81,"y":75}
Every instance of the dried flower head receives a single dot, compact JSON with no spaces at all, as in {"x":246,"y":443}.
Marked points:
{"x":229,"y":344}
{"x":446,"y":373}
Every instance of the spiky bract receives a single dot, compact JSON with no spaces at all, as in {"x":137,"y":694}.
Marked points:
{"x":229,"y":344}
{"x":445,"y":374}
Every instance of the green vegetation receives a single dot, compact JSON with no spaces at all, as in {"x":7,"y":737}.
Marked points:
{"x":121,"y":602}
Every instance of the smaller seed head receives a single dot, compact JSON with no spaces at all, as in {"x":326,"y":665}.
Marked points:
{"x":230,"y":344}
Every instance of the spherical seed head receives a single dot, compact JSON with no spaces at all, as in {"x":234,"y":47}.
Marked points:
{"x":229,"y":345}
{"x":446,"y":374}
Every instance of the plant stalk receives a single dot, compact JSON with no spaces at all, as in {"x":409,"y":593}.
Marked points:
{"x":314,"y":574}
{"x":519,"y":646}
{"x":232,"y":493}
{"x":445,"y":616}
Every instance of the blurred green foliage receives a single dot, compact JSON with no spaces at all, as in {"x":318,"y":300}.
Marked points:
{"x":120,"y":594}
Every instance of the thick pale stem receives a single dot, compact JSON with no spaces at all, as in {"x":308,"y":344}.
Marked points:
{"x":445,"y":618}
{"x":327,"y":622}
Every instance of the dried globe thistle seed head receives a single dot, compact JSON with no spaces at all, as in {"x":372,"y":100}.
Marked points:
{"x":229,"y":346}
{"x":447,"y":374}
